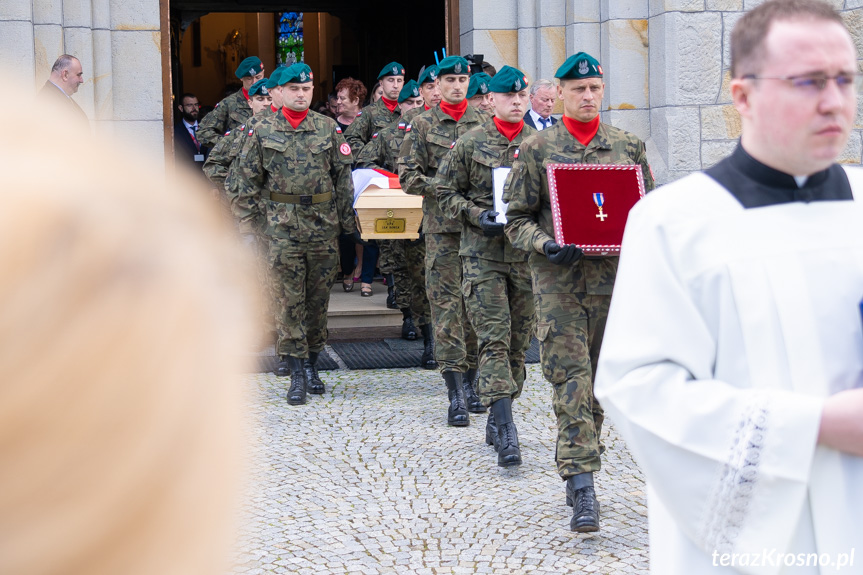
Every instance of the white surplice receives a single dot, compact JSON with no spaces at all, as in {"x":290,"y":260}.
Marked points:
{"x":728,"y":326}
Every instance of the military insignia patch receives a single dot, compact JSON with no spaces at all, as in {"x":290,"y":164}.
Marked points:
{"x":451,"y":146}
{"x":599,"y":68}
{"x":583,"y":67}
{"x":302,"y":76}
{"x":515,"y":156}
{"x":457,"y":68}
{"x":433,"y":75}
{"x":375,"y":135}
{"x":402,"y":126}
{"x":228,"y":133}
{"x":251,"y":71}
{"x":408,"y":128}
{"x":252,"y":131}
{"x":345,"y":149}
{"x":360,"y":113}
{"x":517,"y":84}
{"x":338,"y":129}
{"x":403,"y":71}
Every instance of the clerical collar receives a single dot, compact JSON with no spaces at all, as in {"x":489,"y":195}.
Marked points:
{"x":757,"y":185}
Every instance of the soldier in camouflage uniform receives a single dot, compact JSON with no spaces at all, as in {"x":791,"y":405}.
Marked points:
{"x":478,"y":94}
{"x":429,"y":90}
{"x":233,"y":110}
{"x":296,"y":167}
{"x":375,"y":117}
{"x":495,"y":275}
{"x":408,"y":256}
{"x":429,"y":138}
{"x":572,"y":292}
{"x":228,"y":148}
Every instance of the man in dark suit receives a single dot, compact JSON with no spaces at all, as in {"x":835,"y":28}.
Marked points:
{"x":187,"y":148}
{"x":542,"y":97}
{"x":66,"y":76}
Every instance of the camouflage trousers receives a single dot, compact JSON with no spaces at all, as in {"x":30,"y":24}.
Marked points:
{"x":455,"y":340}
{"x":303,"y":276}
{"x":500,"y":306}
{"x":388,"y":254}
{"x":570,"y":328}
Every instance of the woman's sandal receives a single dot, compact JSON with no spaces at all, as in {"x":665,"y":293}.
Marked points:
{"x":366,"y":290}
{"x":348,"y":284}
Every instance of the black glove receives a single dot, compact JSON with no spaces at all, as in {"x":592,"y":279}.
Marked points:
{"x":358,"y":239}
{"x":490,"y":228}
{"x":562,"y":255}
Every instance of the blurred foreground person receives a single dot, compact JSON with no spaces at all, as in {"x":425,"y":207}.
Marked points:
{"x":124,"y":313}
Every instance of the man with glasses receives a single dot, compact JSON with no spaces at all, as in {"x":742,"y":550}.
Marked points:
{"x":732,"y":362}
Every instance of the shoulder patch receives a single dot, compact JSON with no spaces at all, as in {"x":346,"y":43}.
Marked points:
{"x":345,"y":149}
{"x":515,"y":156}
{"x":252,"y":131}
{"x":375,"y":135}
{"x":408,"y":128}
{"x":451,"y":146}
{"x":228,"y":133}
{"x":216,"y":106}
{"x":338,"y":129}
{"x":401,"y":125}
{"x":360,"y":113}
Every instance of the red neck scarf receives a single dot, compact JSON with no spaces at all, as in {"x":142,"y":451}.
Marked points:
{"x":390,"y":104}
{"x":246,"y":94}
{"x":273,"y":108}
{"x":294,"y":118}
{"x":582,"y":131}
{"x":508,"y":130}
{"x":427,"y":107}
{"x":454,"y":111}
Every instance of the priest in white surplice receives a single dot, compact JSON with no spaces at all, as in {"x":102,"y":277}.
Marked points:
{"x":733,"y":356}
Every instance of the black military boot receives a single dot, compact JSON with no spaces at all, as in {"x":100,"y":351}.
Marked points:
{"x":281,"y":369}
{"x":457,"y":414}
{"x":491,"y":430}
{"x":585,"y":508}
{"x":310,"y":366}
{"x":297,"y":391}
{"x":391,"y":292}
{"x":474,"y":405}
{"x":409,"y":330}
{"x":508,"y":452}
{"x":428,"y":361}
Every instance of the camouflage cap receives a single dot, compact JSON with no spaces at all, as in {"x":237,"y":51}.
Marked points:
{"x":410,"y":90}
{"x":478,"y":85}
{"x":453,"y":65}
{"x":429,"y":75}
{"x":508,"y":79}
{"x":578,"y":66}
{"x":392,"y":69}
{"x":298,"y":73}
{"x":251,"y":66}
{"x":259,"y":88}
{"x":274,"y":77}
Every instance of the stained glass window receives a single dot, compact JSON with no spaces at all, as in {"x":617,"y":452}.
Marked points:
{"x":289,"y":44}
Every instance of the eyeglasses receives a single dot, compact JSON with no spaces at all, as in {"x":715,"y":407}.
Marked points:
{"x":815,"y":83}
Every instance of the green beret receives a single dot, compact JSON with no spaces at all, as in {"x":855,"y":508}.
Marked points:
{"x":410,"y":90}
{"x":274,"y":77}
{"x":453,"y":65}
{"x":578,"y":66}
{"x":508,"y":79}
{"x":298,"y":73}
{"x":251,"y":66}
{"x":478,"y":85}
{"x":429,"y":75}
{"x":392,"y":69}
{"x":259,"y":88}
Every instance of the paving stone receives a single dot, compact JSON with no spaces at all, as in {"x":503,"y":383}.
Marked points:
{"x":369,"y":479}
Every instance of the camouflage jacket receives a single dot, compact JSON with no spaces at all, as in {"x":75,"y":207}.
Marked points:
{"x":382,"y":151}
{"x":227,"y":115}
{"x":373,"y":118}
{"x":529,"y":220}
{"x":465,"y":188}
{"x":428,"y":138}
{"x":311,"y":160}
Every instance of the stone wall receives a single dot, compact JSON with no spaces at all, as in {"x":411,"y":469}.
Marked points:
{"x":119,"y":45}
{"x":666,"y":65}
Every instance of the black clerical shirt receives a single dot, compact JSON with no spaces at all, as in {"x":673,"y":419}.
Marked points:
{"x":756,"y":185}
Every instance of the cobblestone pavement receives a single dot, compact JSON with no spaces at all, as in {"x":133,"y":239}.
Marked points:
{"x":368,"y":478}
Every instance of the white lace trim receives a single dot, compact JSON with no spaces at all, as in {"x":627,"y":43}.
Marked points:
{"x":728,"y":504}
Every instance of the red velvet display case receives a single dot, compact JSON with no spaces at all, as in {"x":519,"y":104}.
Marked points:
{"x":590,"y":203}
